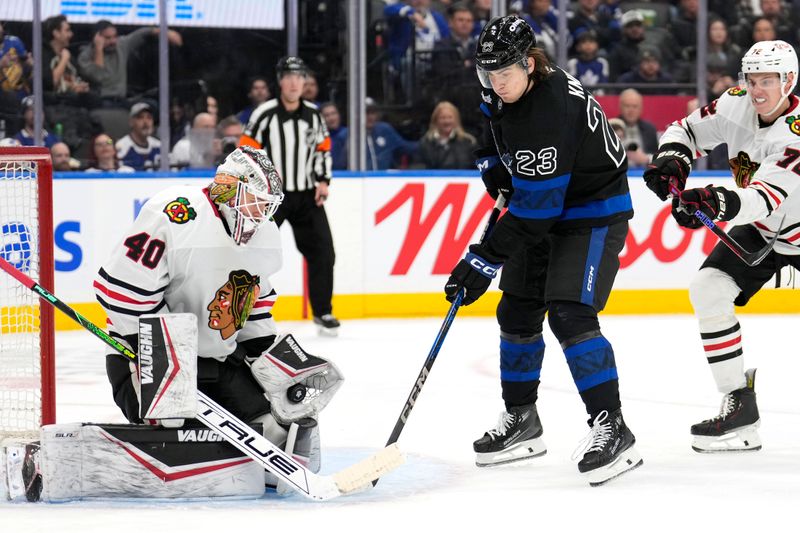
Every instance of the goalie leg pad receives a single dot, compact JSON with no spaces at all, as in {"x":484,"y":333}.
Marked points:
{"x":167,"y":366}
{"x":123,"y":461}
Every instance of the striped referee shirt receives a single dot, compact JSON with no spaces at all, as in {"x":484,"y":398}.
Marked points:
{"x":297,"y":143}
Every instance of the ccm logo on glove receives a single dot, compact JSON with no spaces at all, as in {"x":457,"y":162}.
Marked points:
{"x":476,"y":262}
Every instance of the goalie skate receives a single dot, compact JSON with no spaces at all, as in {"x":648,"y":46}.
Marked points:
{"x":516,"y":437}
{"x":608,"y":450}
{"x":735,"y":428}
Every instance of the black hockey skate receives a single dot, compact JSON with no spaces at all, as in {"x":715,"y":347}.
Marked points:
{"x":516,"y":437}
{"x":608,"y":450}
{"x":735,"y":428}
{"x":327,"y":325}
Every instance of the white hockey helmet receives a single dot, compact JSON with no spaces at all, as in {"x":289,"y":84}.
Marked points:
{"x":248,"y":190}
{"x":771,"y":56}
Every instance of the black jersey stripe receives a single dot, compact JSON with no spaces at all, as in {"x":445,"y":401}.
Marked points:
{"x":131,"y":312}
{"x":133,"y":288}
{"x":724,"y":357}
{"x":722,"y":333}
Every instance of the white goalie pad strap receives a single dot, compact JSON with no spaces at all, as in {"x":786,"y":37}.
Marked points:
{"x":167,"y":365}
{"x":80,"y":461}
{"x":297,"y":384}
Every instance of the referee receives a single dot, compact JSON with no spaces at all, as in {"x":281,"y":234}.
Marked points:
{"x":294,"y":135}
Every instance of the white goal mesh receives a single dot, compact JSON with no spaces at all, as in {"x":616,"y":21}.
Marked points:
{"x":25,"y":358}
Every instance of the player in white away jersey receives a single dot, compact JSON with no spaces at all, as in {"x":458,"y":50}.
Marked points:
{"x":208,"y":251}
{"x":760,"y":122}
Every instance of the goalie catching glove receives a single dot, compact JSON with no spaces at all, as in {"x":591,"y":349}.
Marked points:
{"x":667,"y":174}
{"x":297,"y":384}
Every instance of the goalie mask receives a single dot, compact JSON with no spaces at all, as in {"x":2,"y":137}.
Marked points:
{"x":768,"y":57}
{"x":248,"y":190}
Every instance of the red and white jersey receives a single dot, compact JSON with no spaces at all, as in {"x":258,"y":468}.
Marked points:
{"x":177,"y":257}
{"x":765,"y":160}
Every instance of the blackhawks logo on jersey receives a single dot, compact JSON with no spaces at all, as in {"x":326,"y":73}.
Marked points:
{"x":232,"y":303}
{"x":794,"y":124}
{"x":737,"y":91}
{"x":743,"y":169}
{"x":179,"y":212}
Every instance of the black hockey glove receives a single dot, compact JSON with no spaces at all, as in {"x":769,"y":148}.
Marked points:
{"x":666,"y":174}
{"x":494,"y":174}
{"x":717,"y":203}
{"x":474,"y":273}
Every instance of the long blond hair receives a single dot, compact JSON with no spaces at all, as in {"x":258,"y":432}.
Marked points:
{"x":444,"y":105}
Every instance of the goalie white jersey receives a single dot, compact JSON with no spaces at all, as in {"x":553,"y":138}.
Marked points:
{"x":764,"y":160}
{"x":177,"y":257}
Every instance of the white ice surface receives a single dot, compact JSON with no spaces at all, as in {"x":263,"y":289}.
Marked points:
{"x":665,"y":385}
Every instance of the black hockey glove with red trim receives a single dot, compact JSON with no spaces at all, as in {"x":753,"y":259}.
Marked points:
{"x":474,"y":273}
{"x":717,"y":203}
{"x":666,"y":174}
{"x":494,"y":174}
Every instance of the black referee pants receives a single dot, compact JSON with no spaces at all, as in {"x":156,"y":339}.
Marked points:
{"x":312,"y":235}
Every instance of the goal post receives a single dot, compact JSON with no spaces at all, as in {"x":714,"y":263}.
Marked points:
{"x":27,"y":347}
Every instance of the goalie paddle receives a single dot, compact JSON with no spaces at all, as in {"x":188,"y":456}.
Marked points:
{"x":439,"y":340}
{"x":240,"y":435}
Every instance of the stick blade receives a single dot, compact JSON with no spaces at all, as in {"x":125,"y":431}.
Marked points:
{"x":362,"y":474}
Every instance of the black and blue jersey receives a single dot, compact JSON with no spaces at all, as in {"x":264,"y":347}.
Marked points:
{"x":568,"y":167}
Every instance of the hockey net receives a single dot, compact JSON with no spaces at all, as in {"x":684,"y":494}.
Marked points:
{"x":27,"y":366}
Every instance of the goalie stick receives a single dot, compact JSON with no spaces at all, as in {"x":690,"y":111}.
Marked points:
{"x":439,"y":340}
{"x":239,"y":434}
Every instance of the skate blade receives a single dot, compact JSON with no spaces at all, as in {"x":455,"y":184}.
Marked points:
{"x":744,"y":439}
{"x":327,"y":332}
{"x":627,"y":461}
{"x":527,"y":449}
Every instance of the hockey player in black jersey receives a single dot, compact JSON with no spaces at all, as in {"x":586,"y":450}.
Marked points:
{"x":551,"y":152}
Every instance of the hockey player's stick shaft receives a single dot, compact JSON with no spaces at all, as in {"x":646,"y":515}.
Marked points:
{"x":236,"y":432}
{"x":437,"y":343}
{"x":43,"y":293}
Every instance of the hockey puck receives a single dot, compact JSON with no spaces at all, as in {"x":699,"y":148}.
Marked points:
{"x":296,"y":393}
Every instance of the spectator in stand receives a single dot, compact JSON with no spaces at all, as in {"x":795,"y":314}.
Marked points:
{"x":258,"y":94}
{"x":103,"y":156}
{"x":721,"y":51}
{"x":25,"y":135}
{"x":59,"y":74}
{"x":684,"y":26}
{"x":179,"y":123}
{"x":104,"y":61}
{"x":311,"y":89}
{"x":779,"y":16}
{"x":385,"y":147}
{"x":229,"y":131}
{"x":625,"y":55}
{"x":139,"y":149}
{"x":212,"y":107}
{"x":763,"y":30}
{"x":412,"y":21}
{"x":588,"y":67}
{"x":446,"y":145}
{"x":196,"y":150}
{"x":62,"y":158}
{"x":640,"y":139}
{"x":16,"y":66}
{"x":453,"y":76}
{"x":589,"y":16}
{"x":543,"y":18}
{"x":618,"y":125}
{"x":338,"y":132}
{"x":482,"y":11}
{"x":648,"y":70}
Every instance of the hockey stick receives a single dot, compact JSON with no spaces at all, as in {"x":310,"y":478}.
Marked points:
{"x":240,"y":435}
{"x":439,"y":340}
{"x":749,"y":258}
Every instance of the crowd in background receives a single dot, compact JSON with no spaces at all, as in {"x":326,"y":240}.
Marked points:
{"x":100,"y":94}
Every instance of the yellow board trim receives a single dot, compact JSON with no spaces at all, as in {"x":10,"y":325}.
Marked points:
{"x":350,"y":306}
